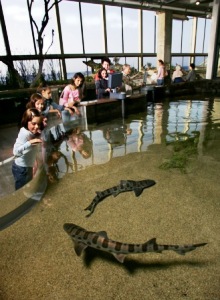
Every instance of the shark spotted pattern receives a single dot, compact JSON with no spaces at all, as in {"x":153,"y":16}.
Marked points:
{"x":99,"y":240}
{"x":124,"y":186}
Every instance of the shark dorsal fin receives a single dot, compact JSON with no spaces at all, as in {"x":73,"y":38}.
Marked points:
{"x":151,"y":242}
{"x":103,"y":234}
{"x":98,"y":193}
{"x":79,"y":247}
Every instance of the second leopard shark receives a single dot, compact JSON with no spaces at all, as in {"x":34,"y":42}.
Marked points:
{"x":99,"y":240}
{"x":124,"y":186}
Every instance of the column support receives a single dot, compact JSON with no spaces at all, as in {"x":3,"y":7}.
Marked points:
{"x":213,"y":42}
{"x":164,"y":37}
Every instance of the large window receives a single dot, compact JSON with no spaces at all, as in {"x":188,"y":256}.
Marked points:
{"x":149,"y":32}
{"x":71,"y":29}
{"x":114,"y":29}
{"x":3,"y":70}
{"x":51,"y":44}
{"x":207,"y":35}
{"x":131,"y":30}
{"x":18,"y":26}
{"x":183,"y":61}
{"x":150,"y":62}
{"x":187,"y":36}
{"x":76,"y":65}
{"x":183,"y":41}
{"x":176,"y":36}
{"x":93,"y":32}
{"x":83,"y":32}
{"x":200,"y":36}
{"x":2,"y":45}
{"x":132,"y":61}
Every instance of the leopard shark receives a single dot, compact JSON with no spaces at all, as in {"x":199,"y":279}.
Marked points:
{"x":124,"y":186}
{"x":99,"y":240}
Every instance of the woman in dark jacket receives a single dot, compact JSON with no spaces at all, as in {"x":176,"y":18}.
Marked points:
{"x":102,"y":90}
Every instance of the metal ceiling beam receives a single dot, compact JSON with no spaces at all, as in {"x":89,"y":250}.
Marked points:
{"x":180,"y":8}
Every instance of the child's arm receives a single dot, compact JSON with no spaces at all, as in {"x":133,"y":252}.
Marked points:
{"x":20,"y":148}
{"x":55,"y":111}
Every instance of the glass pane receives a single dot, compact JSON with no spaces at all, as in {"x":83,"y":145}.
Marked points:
{"x":132,"y":61}
{"x":207,"y":35}
{"x":183,"y":61}
{"x":2,"y":44}
{"x":200,"y":35}
{"x":148,"y":31}
{"x":52,"y":69}
{"x":114,"y":29}
{"x":200,"y":62}
{"x":76,"y":65}
{"x":3,"y":71}
{"x":150,"y":62}
{"x":131,"y":30}
{"x":186,"y":62}
{"x":116,"y":62}
{"x":187,"y":36}
{"x":71,"y":29}
{"x":93,"y":28}
{"x":38,"y":12}
{"x":176,"y":36}
{"x":16,"y":19}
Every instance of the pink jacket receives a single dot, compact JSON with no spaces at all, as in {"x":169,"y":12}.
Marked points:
{"x":161,"y":72}
{"x":69,"y":95}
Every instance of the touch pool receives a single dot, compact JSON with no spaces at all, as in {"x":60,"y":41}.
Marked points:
{"x":174,"y":143}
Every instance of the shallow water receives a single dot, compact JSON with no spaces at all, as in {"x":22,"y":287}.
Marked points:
{"x":178,"y":124}
{"x":174,"y":143}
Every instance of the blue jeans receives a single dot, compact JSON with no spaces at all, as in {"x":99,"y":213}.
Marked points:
{"x":22,"y":175}
{"x":50,"y":102}
{"x":178,"y":79}
{"x":160,"y":81}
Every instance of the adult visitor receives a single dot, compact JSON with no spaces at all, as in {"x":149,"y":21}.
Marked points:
{"x":102,"y":89}
{"x":127,"y":84}
{"x":177,"y":75}
{"x":160,"y":73}
{"x":106,"y":63}
{"x":191,"y":76}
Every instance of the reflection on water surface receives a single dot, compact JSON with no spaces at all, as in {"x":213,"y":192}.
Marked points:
{"x":185,"y":128}
{"x":190,"y":126}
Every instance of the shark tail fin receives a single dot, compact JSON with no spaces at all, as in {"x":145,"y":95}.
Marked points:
{"x":88,"y":207}
{"x":185,"y":249}
{"x":89,"y":214}
{"x":91,"y":208}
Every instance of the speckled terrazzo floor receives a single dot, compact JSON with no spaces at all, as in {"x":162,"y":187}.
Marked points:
{"x":38,"y":261}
